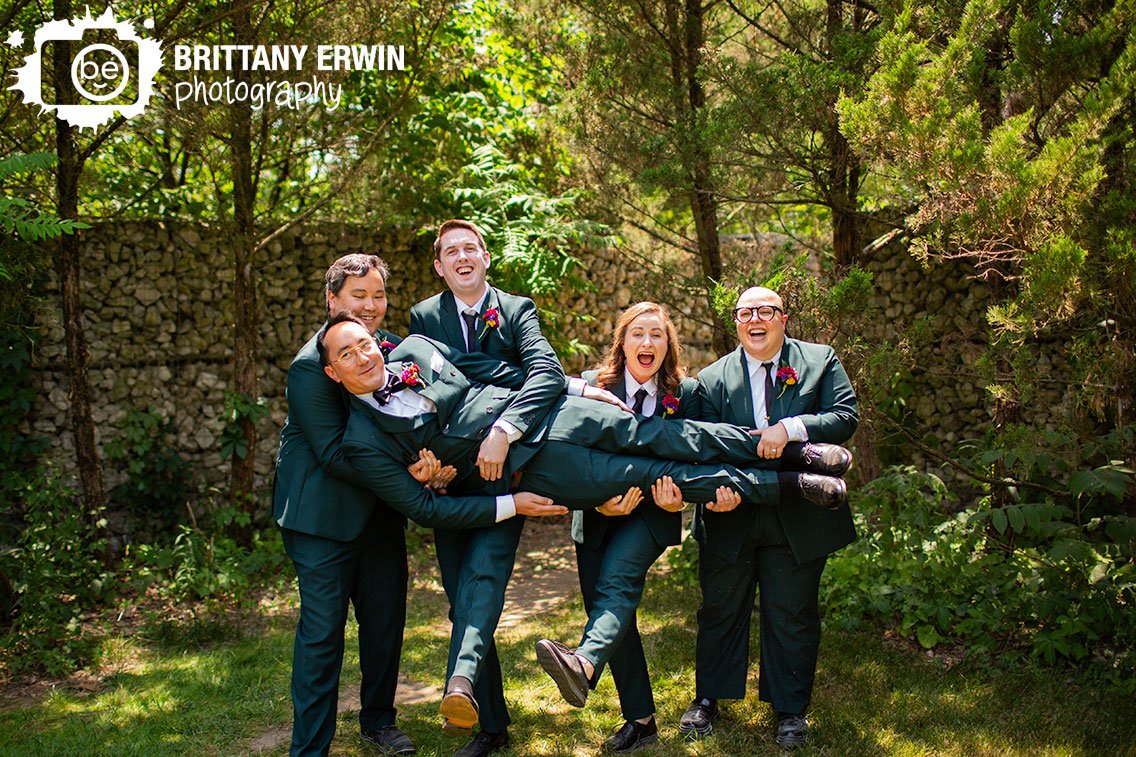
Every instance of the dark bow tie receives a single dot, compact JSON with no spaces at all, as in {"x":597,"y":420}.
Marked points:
{"x":394,"y":384}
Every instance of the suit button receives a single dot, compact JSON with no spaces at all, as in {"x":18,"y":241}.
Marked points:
{"x":446,"y":430}
{"x":489,"y":409}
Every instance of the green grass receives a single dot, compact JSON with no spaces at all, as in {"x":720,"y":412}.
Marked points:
{"x":180,"y":696}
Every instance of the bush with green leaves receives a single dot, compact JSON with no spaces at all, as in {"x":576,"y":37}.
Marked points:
{"x":57,"y":574}
{"x":1063,"y":590}
{"x":158,"y":481}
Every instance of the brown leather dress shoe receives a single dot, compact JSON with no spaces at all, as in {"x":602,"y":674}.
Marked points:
{"x":564,"y":667}
{"x":828,"y":492}
{"x":810,"y":457}
{"x":458,"y":707}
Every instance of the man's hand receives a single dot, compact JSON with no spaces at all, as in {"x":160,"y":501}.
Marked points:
{"x":429,"y":471}
{"x":425,"y":467}
{"x":603,"y":395}
{"x":667,"y":495}
{"x":528,"y":503}
{"x":727,"y":500}
{"x":622,"y":504}
{"x":773,"y":441}
{"x":491,"y":456}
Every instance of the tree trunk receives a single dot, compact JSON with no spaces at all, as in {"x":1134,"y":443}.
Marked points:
{"x":68,"y":268}
{"x":843,"y":188}
{"x":247,"y":326}
{"x":703,"y":202}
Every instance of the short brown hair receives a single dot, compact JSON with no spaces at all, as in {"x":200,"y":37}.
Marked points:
{"x":456,"y":223}
{"x":354,"y":264}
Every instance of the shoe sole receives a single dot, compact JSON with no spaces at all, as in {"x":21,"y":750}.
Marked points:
{"x":645,"y":741}
{"x":691,"y":731}
{"x":460,"y":714}
{"x":550,"y":661}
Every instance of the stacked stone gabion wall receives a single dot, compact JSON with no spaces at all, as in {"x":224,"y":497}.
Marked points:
{"x":159,"y":323}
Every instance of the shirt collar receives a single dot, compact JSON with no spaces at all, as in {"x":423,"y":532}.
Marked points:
{"x":631,"y":385}
{"x":462,"y":307}
{"x":754,"y":364}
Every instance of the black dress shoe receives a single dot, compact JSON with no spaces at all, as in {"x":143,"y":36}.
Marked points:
{"x":484,"y":743}
{"x":807,"y":457}
{"x":633,"y":735}
{"x":458,"y":707}
{"x":698,"y":720}
{"x":792,"y":730}
{"x":828,"y":492}
{"x":562,"y":664}
{"x":389,"y":740}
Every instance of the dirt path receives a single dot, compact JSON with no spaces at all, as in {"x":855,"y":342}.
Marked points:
{"x":543,"y":578}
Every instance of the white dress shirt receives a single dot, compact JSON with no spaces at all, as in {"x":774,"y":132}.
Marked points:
{"x":794,"y":426}
{"x":650,"y":402}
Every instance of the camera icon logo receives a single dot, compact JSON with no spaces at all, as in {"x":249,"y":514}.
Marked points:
{"x":110,"y":69}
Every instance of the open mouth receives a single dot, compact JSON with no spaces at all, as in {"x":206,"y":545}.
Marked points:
{"x":463,"y":270}
{"x":757,"y":333}
{"x":645,"y":359}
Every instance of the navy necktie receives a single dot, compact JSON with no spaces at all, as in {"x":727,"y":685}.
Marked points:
{"x":640,"y":396}
{"x":470,"y":318}
{"x":768,"y":390}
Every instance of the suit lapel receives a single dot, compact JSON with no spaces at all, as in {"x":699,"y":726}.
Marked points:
{"x":783,"y":395}
{"x":448,"y":313}
{"x":739,"y":394}
{"x":483,"y":329}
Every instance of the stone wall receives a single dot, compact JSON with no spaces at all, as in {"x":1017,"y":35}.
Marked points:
{"x":159,"y":323}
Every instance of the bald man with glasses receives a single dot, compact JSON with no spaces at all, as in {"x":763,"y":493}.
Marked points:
{"x":790,"y":391}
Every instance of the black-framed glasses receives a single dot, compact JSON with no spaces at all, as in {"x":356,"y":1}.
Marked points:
{"x":761,"y":313}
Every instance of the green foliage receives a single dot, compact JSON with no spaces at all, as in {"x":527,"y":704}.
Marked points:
{"x":158,"y":481}
{"x":239,"y":407}
{"x":57,"y":574}
{"x":202,"y":566}
{"x":1063,"y":591}
{"x":21,"y":217}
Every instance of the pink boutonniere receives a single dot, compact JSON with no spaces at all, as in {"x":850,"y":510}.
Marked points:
{"x":410,"y":375}
{"x":492,"y":318}
{"x":670,"y":405}
{"x":386,"y":346}
{"x":786,"y":376}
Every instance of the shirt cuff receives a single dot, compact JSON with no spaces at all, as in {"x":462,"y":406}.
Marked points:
{"x":506,"y":507}
{"x":512,"y":433}
{"x":795,"y":428}
{"x":576,"y":386}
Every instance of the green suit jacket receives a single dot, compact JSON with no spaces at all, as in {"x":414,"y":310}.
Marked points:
{"x":824,"y":401}
{"x":517,"y":340}
{"x":380,"y":446}
{"x":589,"y":527}
{"x":316,"y":491}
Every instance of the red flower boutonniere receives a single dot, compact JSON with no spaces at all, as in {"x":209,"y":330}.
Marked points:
{"x":410,"y":375}
{"x":670,"y":405}
{"x":786,"y":376}
{"x":492,"y":318}
{"x":386,"y":346}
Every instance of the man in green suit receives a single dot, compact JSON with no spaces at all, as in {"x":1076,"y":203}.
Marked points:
{"x":792,"y":392}
{"x":346,"y":545}
{"x":580,"y":453}
{"x":471,"y":316}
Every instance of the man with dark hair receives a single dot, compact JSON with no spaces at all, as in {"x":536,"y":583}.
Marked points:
{"x":790,"y":392}
{"x":579,"y":452}
{"x":346,"y":545}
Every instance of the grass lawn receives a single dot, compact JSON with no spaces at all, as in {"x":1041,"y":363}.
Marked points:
{"x":180,"y":695}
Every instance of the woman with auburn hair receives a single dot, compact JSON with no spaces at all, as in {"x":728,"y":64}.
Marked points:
{"x":617,"y":543}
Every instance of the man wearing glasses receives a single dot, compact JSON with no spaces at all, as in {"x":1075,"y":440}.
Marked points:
{"x":790,"y":391}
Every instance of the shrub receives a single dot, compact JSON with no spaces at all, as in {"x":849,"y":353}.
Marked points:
{"x":56,"y":574}
{"x":158,"y":481}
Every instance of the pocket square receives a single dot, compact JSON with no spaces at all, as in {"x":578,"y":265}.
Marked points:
{"x":436,"y":363}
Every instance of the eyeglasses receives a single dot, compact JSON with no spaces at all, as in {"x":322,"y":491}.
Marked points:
{"x":761,"y":313}
{"x":349,"y":358}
